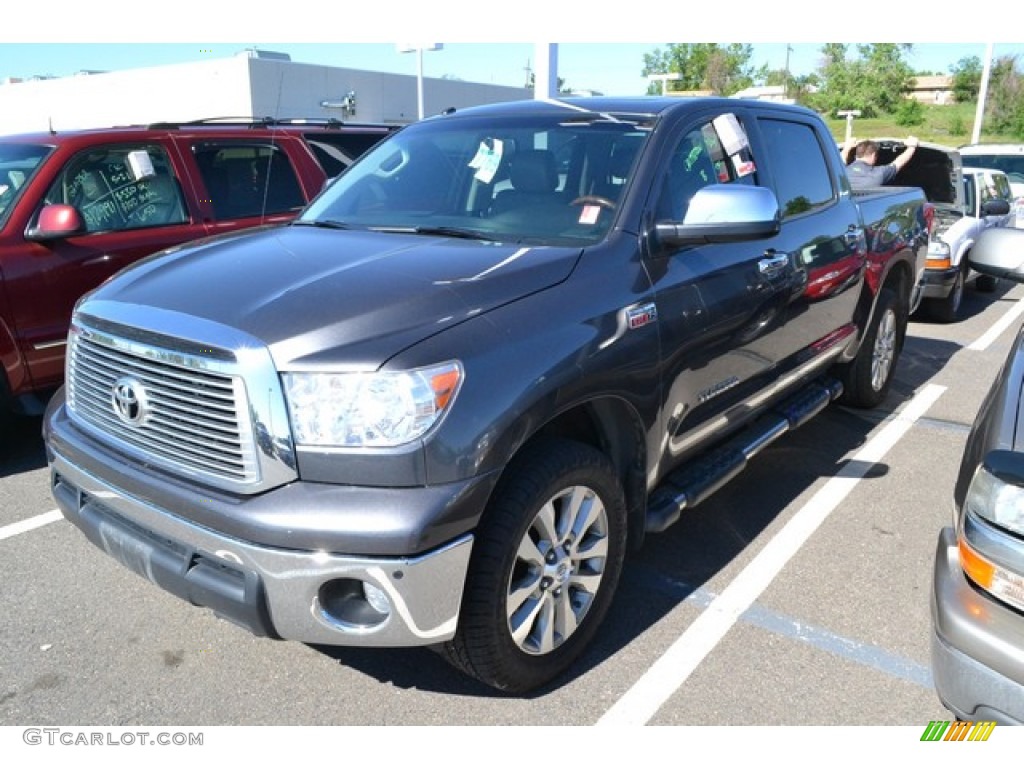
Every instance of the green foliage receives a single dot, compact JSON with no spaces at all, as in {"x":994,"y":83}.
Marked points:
{"x":723,"y":69}
{"x":1005,"y":109}
{"x":874,"y":82}
{"x":966,"y":79}
{"x":910,"y":112}
{"x":957,"y":124}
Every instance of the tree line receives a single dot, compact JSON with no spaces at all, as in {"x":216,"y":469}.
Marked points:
{"x":873,"y":78}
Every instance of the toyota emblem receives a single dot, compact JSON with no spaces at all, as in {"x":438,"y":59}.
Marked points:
{"x":129,"y":401}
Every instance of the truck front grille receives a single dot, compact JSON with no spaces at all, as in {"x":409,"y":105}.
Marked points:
{"x":172,"y":409}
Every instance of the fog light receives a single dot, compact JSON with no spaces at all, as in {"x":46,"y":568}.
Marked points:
{"x":377,"y":599}
{"x":353,"y":605}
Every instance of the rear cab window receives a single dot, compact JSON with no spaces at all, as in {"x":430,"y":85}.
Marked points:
{"x":801,"y":174}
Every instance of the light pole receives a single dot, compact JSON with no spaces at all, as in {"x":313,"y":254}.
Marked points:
{"x":979,"y":112}
{"x":664,"y":79}
{"x":849,"y":114}
{"x":419,"y":49}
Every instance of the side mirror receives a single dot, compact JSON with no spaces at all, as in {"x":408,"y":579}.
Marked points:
{"x":999,"y":252}
{"x":723,"y":214}
{"x":997,"y":207}
{"x":55,"y":222}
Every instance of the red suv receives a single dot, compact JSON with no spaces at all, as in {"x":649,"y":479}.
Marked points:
{"x":76,"y":207}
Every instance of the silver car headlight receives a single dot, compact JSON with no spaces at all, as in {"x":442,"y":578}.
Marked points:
{"x":1001,"y":503}
{"x":997,"y":501}
{"x":381,"y":409}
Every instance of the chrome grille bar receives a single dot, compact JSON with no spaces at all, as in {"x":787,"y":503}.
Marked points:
{"x":187,"y":417}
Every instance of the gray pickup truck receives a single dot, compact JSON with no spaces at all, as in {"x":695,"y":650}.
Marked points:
{"x":504,"y":346}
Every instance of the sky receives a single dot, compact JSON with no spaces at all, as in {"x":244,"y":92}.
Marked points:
{"x":611,"y":68}
{"x":599,"y":46}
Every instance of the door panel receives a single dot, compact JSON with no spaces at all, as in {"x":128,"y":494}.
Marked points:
{"x":763,"y":303}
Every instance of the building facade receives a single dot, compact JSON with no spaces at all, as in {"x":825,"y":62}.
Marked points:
{"x":249,"y":84}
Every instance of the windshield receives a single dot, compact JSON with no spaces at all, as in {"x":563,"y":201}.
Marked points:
{"x":553,"y":180}
{"x":1011,"y":165}
{"x":17,"y":164}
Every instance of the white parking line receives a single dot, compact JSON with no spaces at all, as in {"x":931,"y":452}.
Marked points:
{"x":641,"y":702}
{"x":31,"y":524}
{"x":1000,"y":325}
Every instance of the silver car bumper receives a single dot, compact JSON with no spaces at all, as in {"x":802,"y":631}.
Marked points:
{"x":977,"y":645}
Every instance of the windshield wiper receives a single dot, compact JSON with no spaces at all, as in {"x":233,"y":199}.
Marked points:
{"x":465,"y":234}
{"x":325,"y":223}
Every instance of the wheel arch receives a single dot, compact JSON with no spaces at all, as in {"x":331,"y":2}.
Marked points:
{"x":612,"y":426}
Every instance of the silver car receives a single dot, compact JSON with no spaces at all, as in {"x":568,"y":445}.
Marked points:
{"x":977,"y":601}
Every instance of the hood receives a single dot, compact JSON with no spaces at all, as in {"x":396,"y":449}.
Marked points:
{"x":309,"y":293}
{"x":934,"y":168}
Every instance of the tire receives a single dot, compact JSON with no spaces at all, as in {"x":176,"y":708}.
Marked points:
{"x":6,"y":409}
{"x":947,"y":310}
{"x":867,"y":378}
{"x":545,"y":565}
{"x":986,"y":283}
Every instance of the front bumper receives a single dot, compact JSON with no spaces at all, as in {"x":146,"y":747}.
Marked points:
{"x":977,"y":645}
{"x":308,"y":594}
{"x":938,"y":283}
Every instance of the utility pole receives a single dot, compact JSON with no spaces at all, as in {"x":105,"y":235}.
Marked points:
{"x":979,"y":113}
{"x":785,"y":81}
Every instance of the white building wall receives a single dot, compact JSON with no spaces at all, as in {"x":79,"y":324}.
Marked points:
{"x":151,"y":94}
{"x":239,"y":86}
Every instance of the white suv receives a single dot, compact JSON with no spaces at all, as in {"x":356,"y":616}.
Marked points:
{"x":1008,"y":158}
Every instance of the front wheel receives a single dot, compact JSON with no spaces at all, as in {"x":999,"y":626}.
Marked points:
{"x":545,"y":565}
{"x":867,"y":378}
{"x":946,"y":310}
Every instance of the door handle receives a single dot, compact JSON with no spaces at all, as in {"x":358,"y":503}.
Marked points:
{"x":772,"y":262}
{"x":853,"y":235}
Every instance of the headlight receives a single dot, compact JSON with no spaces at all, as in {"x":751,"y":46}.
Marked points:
{"x":995,"y":500}
{"x":938,"y":255}
{"x":995,"y":494}
{"x":382,"y":409}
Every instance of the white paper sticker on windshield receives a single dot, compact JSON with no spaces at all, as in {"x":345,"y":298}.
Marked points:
{"x":487,"y":160}
{"x":589,"y":214}
{"x":141,"y":164}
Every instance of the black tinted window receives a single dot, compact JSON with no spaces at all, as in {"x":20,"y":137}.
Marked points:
{"x":336,"y":152}
{"x":802,"y":179}
{"x":248,"y":179}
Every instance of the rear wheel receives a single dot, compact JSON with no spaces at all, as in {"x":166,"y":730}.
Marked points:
{"x":867,"y":378}
{"x":545,"y":565}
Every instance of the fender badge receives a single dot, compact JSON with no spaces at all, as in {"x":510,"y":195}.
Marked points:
{"x":640,"y":316}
